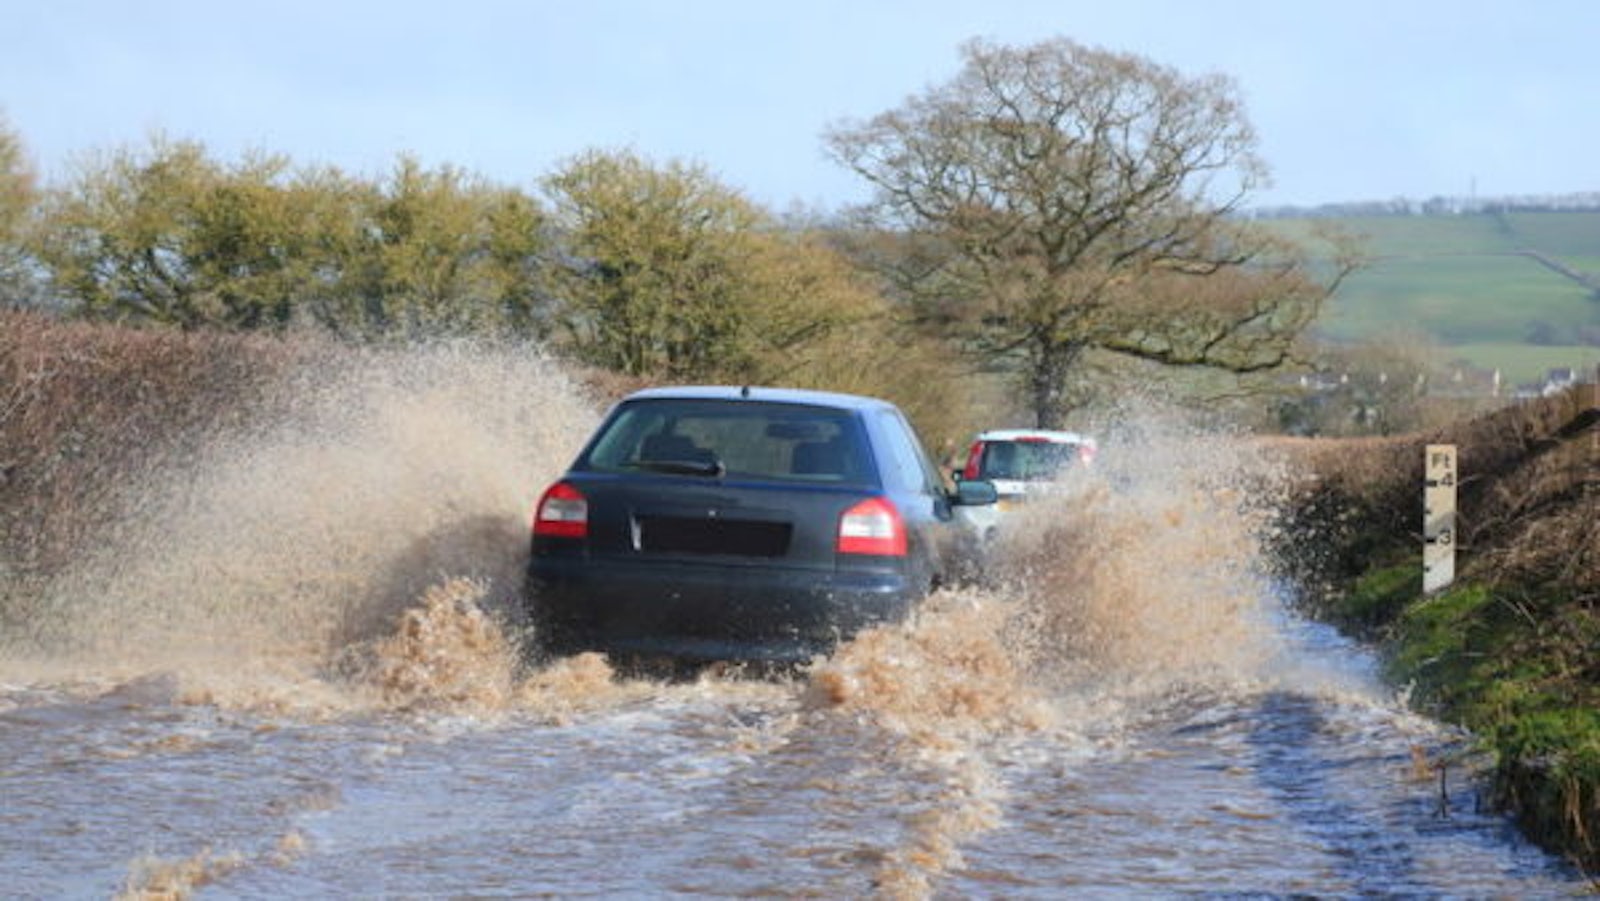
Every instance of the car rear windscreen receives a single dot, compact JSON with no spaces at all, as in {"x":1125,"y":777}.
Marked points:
{"x":750,"y":439}
{"x":1026,"y":460}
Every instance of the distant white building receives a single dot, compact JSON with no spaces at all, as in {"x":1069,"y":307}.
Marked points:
{"x":1558,"y":380}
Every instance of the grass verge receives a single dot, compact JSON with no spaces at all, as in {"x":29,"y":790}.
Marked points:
{"x":1511,"y":651}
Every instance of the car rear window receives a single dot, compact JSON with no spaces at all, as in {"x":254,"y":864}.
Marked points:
{"x":783,"y":442}
{"x":1026,"y":460}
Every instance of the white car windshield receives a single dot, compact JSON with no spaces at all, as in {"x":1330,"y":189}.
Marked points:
{"x":1026,"y":461}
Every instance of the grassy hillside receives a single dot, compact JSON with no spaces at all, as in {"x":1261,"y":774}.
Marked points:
{"x":1471,"y":286}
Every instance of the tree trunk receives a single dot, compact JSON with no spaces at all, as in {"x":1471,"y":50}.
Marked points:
{"x":1048,"y":366}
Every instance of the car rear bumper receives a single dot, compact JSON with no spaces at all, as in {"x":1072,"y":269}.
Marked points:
{"x":705,"y":611}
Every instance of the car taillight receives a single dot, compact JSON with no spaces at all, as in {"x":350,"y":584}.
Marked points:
{"x":974,"y":459}
{"x":873,"y":527}
{"x":562,"y":513}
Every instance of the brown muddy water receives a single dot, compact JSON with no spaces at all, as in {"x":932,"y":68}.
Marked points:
{"x":292,"y":671}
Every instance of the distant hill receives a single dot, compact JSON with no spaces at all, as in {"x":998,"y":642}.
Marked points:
{"x":1515,"y":290}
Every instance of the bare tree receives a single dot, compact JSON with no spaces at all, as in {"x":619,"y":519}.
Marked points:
{"x":1056,"y":199}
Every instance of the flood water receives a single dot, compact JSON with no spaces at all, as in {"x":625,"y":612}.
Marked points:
{"x":293,"y":675}
{"x":590,"y":785}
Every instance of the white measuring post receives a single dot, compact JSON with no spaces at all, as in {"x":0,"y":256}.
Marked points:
{"x":1439,"y":518}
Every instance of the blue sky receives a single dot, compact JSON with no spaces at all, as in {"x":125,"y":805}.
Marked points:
{"x":1352,"y":99}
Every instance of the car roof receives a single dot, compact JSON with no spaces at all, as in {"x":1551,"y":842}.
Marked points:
{"x":761,"y":394}
{"x":1051,"y":436}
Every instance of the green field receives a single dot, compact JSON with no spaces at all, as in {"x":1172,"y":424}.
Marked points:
{"x":1519,"y":363}
{"x":1467,"y":285}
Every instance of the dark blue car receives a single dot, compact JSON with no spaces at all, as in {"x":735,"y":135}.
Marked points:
{"x":752,"y":524}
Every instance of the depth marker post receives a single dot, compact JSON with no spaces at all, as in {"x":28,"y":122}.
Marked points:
{"x":1439,"y":518}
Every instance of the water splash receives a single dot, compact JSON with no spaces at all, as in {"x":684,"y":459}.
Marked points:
{"x":941,"y":687}
{"x":449,"y":654}
{"x":1108,"y":594}
{"x":158,"y":879}
{"x":445,"y":653}
{"x":292,"y":538}
{"x":1150,"y":566}
{"x":947,"y":672}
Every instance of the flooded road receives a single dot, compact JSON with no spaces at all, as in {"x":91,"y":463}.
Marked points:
{"x":592,"y":785}
{"x":294,"y":673}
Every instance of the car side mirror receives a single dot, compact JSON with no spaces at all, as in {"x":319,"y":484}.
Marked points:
{"x":976,"y":493}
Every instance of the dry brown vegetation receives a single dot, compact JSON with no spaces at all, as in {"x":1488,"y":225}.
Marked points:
{"x":1530,"y":486}
{"x":84,"y":408}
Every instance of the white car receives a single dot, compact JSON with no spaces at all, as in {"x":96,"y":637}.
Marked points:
{"x":1017,"y":461}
